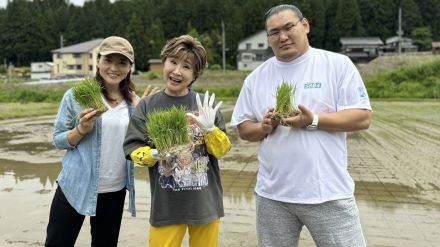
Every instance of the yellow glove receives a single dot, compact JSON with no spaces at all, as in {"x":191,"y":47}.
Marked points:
{"x":144,"y":156}
{"x":217,"y":143}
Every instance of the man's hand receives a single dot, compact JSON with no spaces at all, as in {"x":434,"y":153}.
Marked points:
{"x":144,"y":156}
{"x":205,"y":119}
{"x":268,"y":124}
{"x":302,"y":120}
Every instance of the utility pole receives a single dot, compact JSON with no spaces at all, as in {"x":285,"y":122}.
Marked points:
{"x":6,"y":67}
{"x":61,"y":41}
{"x":400,"y":32}
{"x":223,"y":47}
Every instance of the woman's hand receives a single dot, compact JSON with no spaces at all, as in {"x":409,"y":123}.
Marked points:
{"x":149,"y":90}
{"x":87,"y":119}
{"x":206,"y":117}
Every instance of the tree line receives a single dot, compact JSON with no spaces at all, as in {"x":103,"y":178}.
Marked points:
{"x":30,"y":30}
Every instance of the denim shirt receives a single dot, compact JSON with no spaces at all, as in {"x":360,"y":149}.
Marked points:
{"x":79,"y":177}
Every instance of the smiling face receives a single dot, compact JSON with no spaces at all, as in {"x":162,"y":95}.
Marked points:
{"x":184,"y":60}
{"x":113,"y":68}
{"x":178,"y":74}
{"x":287,"y":35}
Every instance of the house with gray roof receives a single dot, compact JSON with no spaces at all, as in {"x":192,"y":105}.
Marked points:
{"x":361,"y":49}
{"x":392,"y":45}
{"x":76,"y":60}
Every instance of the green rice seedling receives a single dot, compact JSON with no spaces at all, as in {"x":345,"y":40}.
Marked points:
{"x":168,"y":129}
{"x":285,"y":107}
{"x":87,"y":93}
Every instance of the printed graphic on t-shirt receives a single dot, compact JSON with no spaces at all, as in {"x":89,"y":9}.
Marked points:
{"x":361,"y":92}
{"x":177,"y":175}
{"x":310,"y":85}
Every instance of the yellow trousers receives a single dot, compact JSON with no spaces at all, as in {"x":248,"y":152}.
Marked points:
{"x":206,"y":235}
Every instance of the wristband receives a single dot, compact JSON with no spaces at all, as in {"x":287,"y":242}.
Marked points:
{"x":77,"y":130}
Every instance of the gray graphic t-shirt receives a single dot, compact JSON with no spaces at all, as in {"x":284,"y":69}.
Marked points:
{"x":185,"y":189}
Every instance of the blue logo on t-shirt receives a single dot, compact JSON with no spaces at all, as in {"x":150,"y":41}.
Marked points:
{"x":362,"y":92}
{"x":310,"y":85}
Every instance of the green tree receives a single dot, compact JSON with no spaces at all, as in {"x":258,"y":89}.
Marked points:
{"x":431,"y":10}
{"x":77,"y":27}
{"x":2,"y":37}
{"x":378,"y":17}
{"x":173,"y":24}
{"x":22,"y":34}
{"x":411,"y":17}
{"x":422,"y":37}
{"x":348,"y":19}
{"x":331,"y":37}
{"x":157,"y":38}
{"x":209,"y":41}
{"x":136,"y":33}
{"x":316,"y":18}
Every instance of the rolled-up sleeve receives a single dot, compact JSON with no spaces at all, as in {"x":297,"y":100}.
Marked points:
{"x":65,"y":121}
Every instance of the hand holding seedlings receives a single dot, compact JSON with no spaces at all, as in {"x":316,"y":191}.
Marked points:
{"x":300,"y":121}
{"x":269,"y":124}
{"x":88,"y":94}
{"x":285,"y":107}
{"x":169,"y":132}
{"x":87,"y":119}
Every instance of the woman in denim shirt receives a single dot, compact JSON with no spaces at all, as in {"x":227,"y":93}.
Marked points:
{"x":95,"y":174}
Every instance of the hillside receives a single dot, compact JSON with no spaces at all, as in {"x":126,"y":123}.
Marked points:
{"x":391,"y":62}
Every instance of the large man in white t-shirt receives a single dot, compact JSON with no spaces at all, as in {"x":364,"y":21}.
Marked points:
{"x":303,"y":178}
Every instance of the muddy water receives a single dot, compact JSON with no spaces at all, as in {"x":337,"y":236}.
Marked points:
{"x":398,"y":195}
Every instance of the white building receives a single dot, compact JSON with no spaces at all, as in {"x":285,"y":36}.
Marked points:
{"x":41,"y":70}
{"x":253,"y":51}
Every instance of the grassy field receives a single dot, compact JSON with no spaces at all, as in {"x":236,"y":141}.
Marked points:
{"x":19,"y":110}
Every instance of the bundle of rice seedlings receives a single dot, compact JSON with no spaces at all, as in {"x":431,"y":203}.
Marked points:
{"x":169,"y":132}
{"x":87,"y":93}
{"x":285,"y":107}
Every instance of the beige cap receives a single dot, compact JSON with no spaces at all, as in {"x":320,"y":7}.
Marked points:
{"x":114,"y":44}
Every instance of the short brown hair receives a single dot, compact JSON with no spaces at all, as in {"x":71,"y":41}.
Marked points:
{"x":183,"y":47}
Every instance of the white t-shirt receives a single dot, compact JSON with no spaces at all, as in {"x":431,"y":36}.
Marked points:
{"x":112,"y":172}
{"x":297,"y":165}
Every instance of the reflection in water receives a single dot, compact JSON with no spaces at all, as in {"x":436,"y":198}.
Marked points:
{"x":238,"y":185}
{"x":20,"y":171}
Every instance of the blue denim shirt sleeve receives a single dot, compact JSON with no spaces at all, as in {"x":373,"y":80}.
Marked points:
{"x":66,"y":120}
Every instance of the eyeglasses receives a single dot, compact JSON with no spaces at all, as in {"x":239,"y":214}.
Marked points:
{"x":275,"y":33}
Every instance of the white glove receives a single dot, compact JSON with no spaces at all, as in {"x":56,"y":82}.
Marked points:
{"x":206,"y":117}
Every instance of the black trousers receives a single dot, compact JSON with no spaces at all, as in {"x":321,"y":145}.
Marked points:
{"x":65,"y":223}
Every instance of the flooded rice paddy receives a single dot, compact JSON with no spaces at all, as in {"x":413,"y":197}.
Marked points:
{"x":395,"y":165}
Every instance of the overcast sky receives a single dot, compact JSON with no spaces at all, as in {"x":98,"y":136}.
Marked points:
{"x":76,"y":2}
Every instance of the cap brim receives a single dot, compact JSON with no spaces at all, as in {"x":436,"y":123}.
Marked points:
{"x":118,"y":52}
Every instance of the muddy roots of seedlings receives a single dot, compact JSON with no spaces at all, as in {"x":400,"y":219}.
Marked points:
{"x":285,"y":107}
{"x":281,"y":116}
{"x":181,"y":154}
